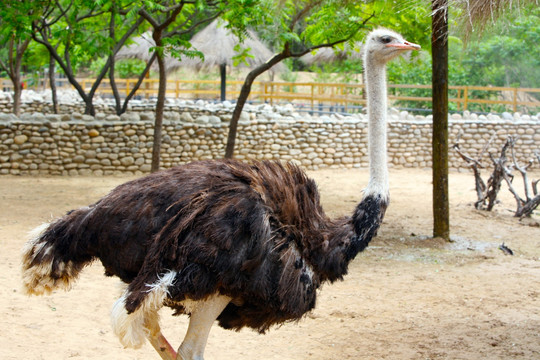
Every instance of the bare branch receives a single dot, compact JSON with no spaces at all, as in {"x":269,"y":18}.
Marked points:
{"x":522,"y":170}
{"x":501,"y":171}
{"x":468,"y":158}
{"x":486,"y":147}
{"x":529,"y":207}
{"x":475,"y":165}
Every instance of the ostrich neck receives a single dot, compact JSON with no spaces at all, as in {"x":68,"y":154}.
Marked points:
{"x":376,"y":104}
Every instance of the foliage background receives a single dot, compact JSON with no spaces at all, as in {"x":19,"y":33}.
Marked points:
{"x":506,"y":53}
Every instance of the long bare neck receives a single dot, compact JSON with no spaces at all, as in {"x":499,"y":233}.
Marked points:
{"x":376,"y":100}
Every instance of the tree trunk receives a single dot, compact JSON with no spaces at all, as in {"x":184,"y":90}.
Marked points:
{"x":89,"y":108}
{"x":17,"y":82}
{"x":250,"y":78}
{"x":17,"y":90}
{"x":52,"y":83}
{"x":160,"y":105}
{"x":65,"y":63}
{"x":242,"y":98}
{"x":13,"y":69}
{"x":439,"y":43}
{"x":114,"y":88}
{"x":112,"y":60}
{"x":138,"y":84}
{"x":233,"y":127}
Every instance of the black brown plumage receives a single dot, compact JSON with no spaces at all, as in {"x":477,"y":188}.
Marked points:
{"x":255,"y":232}
{"x":247,"y":244}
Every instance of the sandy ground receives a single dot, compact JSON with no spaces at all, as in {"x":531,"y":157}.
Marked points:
{"x":406,"y":297}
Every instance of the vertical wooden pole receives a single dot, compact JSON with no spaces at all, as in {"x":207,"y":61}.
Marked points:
{"x":223,"y":76}
{"x":312,"y":86}
{"x":439,"y":46}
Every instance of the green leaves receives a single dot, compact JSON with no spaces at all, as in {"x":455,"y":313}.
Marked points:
{"x":242,"y":54}
{"x":179,"y":47}
{"x":507,"y":56}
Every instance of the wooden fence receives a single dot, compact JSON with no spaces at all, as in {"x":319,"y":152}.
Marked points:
{"x":345,"y":97}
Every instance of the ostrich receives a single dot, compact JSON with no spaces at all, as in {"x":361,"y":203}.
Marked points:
{"x":245,"y":244}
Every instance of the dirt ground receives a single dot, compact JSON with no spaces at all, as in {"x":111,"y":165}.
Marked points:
{"x":406,"y":297}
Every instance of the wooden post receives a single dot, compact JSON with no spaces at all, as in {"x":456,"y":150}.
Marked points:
{"x":147,"y":83}
{"x":439,"y":47}
{"x":312,"y":86}
{"x":465,"y":98}
{"x":515,"y":99}
{"x":223,"y":76}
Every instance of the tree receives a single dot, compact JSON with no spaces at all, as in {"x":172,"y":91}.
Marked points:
{"x":73,"y":33}
{"x":170,"y":22}
{"x":15,"y":34}
{"x":301,"y":27}
{"x":439,"y":34}
{"x":160,"y":20}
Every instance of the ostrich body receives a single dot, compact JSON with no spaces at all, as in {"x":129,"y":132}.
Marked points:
{"x":246,"y":244}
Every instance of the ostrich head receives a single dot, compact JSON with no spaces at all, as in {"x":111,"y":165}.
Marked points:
{"x":382,"y":45}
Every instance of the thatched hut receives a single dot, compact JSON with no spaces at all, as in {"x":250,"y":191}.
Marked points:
{"x":139,"y":49}
{"x":216,"y":43}
{"x":328,"y":55}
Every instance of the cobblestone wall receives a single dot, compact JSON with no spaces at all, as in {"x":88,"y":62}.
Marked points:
{"x":75,"y":144}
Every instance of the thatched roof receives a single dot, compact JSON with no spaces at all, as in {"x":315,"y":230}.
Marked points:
{"x":477,"y":14}
{"x":329,"y":55}
{"x":217,"y":44}
{"x":139,"y":49}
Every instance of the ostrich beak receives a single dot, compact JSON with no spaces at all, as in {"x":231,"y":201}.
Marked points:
{"x":405,"y":46}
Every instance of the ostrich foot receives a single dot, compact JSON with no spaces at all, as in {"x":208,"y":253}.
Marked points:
{"x":162,"y":346}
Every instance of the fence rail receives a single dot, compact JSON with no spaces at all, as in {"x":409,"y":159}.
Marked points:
{"x":347,"y":97}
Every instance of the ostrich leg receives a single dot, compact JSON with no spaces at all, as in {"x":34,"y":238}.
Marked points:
{"x":203,"y":315}
{"x":156,"y":338}
{"x":162,"y":346}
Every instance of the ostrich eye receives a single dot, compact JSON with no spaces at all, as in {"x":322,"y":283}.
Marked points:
{"x":385,"y":39}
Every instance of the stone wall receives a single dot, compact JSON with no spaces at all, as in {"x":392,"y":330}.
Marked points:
{"x":75,"y":144}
